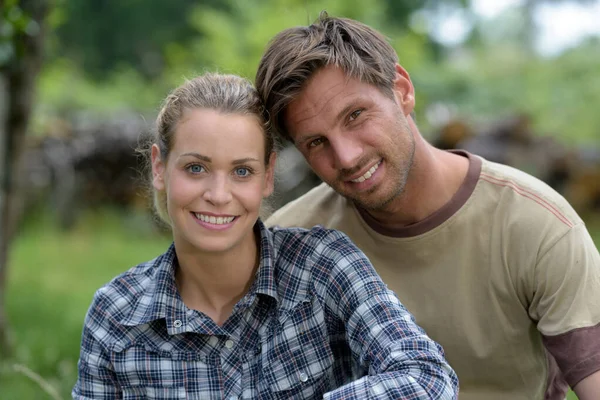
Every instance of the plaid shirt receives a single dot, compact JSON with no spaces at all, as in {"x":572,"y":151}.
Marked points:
{"x":318,"y":322}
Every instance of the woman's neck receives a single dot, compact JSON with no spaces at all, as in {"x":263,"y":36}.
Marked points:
{"x":213,"y":283}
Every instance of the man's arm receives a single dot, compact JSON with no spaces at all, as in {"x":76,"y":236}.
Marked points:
{"x":565,"y":304}
{"x":588,"y":388}
{"x":402,"y":361}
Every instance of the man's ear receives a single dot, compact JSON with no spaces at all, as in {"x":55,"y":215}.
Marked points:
{"x":404,"y":91}
{"x":158,"y":169}
{"x":270,"y":176}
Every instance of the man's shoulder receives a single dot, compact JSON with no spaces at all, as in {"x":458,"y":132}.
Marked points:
{"x":525,"y":194}
{"x":313,"y":208}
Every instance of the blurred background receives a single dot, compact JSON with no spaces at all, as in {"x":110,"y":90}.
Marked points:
{"x":517,"y":81}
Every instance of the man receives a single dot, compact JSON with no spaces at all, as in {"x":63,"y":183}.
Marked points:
{"x":495,"y":265}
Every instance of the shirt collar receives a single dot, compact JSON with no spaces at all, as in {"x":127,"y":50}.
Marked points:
{"x":265,"y":276}
{"x":159,"y":297}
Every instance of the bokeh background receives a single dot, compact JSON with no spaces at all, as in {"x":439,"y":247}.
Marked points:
{"x":517,"y":81}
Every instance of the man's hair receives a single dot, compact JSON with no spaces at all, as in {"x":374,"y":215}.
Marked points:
{"x":295,"y":54}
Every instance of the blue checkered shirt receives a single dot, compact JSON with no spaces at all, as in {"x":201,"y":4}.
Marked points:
{"x":317,"y":322}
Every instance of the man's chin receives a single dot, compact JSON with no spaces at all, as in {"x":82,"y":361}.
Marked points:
{"x":373,"y":201}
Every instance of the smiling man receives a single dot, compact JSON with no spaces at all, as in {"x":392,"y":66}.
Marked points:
{"x":495,"y":265}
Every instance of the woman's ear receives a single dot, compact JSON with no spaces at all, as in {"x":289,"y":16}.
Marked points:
{"x":158,"y":169}
{"x":404,"y":91}
{"x":270,"y":176}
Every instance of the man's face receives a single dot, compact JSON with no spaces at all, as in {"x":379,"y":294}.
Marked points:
{"x":356,"y":138}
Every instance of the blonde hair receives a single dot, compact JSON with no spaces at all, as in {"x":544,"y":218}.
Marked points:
{"x":221,"y":92}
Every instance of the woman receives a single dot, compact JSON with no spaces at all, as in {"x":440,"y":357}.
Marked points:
{"x":234,"y":310}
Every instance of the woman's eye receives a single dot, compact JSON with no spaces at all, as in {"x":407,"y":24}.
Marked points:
{"x":196,"y":169}
{"x":242,"y":172}
{"x":355,"y":114}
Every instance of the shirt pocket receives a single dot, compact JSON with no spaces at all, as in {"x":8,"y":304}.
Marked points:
{"x":146,"y":372}
{"x":300,"y":358}
{"x":154,"y":393}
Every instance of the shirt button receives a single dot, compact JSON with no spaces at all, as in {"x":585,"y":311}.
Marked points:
{"x":229,"y":344}
{"x":303,"y":377}
{"x":213,"y":341}
{"x":177,"y":323}
{"x":233,"y":398}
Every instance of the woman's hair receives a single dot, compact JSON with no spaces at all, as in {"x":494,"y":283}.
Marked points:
{"x":220,"y":92}
{"x":296,"y":54}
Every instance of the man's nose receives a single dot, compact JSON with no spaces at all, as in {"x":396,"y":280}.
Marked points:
{"x":347,"y":150}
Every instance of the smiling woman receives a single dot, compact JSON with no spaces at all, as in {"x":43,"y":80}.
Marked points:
{"x":233,"y":309}
{"x":215,"y":179}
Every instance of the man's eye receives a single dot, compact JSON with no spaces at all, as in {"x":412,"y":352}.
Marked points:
{"x":315,"y":143}
{"x":242,"y":171}
{"x":355,"y":114}
{"x":195,"y":168}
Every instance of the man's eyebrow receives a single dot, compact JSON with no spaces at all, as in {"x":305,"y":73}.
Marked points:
{"x":341,"y":115}
{"x":305,"y":138}
{"x":346,"y":110}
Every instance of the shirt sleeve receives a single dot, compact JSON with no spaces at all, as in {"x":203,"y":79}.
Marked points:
{"x":402,"y":361}
{"x":96,"y":377}
{"x":566,"y":303}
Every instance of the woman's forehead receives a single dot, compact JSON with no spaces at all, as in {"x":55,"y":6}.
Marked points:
{"x":218,"y":133}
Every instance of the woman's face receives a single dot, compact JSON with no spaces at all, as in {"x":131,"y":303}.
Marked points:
{"x":215,"y":179}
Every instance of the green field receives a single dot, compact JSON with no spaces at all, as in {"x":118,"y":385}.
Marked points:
{"x":52,"y":278}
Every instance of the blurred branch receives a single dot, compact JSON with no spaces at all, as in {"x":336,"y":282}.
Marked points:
{"x":41,"y":382}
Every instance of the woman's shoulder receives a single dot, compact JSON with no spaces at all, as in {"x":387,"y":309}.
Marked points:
{"x":319,"y":258}
{"x":317,"y":241}
{"x":120,"y":296}
{"x":317,"y":235}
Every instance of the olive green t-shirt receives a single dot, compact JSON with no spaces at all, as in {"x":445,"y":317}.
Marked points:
{"x":505,"y":277}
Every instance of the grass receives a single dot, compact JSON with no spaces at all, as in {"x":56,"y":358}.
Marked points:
{"x":52,"y":278}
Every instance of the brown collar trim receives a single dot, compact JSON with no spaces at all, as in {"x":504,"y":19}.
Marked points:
{"x":440,"y":216}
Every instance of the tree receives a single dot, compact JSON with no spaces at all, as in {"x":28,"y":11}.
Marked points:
{"x":106,"y":34}
{"x":21,"y":24}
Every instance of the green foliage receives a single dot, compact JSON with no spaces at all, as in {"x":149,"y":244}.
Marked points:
{"x":230,"y":37}
{"x":114,"y":55}
{"x":65,"y":87}
{"x":233,"y":40}
{"x":561,"y":94}
{"x":101,"y":35}
{"x":13,"y":22}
